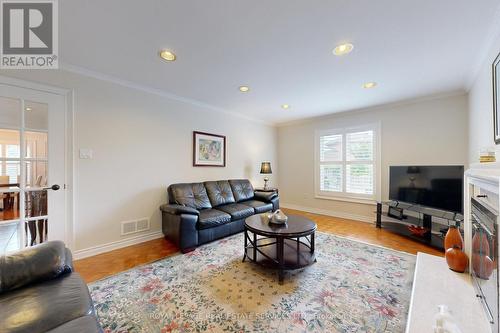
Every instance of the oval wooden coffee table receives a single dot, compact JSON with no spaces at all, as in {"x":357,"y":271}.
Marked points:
{"x":286,"y":247}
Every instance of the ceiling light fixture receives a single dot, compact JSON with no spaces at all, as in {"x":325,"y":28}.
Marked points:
{"x":285,"y":106}
{"x":28,"y":109}
{"x":369,"y":85}
{"x":343,"y":49}
{"x":244,"y":89}
{"x":167,"y":55}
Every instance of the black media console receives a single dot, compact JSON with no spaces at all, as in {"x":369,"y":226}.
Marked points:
{"x":400,"y":218}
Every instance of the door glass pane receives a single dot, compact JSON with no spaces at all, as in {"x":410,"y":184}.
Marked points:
{"x":9,"y":237}
{"x":11,"y":173}
{"x":9,"y":144}
{"x":10,"y":112}
{"x":36,"y":173}
{"x":36,"y":116}
{"x":36,"y":206}
{"x":9,"y":204}
{"x":36,"y":144}
{"x":36,"y":203}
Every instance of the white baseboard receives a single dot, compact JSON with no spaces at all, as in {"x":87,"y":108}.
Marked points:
{"x":327,"y":212}
{"x":95,"y":250}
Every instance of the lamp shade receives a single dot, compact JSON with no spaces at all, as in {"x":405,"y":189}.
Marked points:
{"x":265,"y":168}
{"x":412,"y":170}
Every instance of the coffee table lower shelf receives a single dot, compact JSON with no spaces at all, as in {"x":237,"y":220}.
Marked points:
{"x":297,"y":253}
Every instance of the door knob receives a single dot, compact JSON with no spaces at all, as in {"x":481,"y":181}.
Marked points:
{"x":54,"y":187}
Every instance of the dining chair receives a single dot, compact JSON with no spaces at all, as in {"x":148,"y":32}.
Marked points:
{"x":6,"y":197}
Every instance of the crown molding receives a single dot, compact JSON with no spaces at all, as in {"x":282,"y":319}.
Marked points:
{"x":492,"y":35}
{"x":132,"y":85}
{"x":378,"y":107}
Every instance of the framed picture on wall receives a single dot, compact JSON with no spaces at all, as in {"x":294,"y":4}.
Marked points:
{"x":496,"y":98}
{"x":209,"y":149}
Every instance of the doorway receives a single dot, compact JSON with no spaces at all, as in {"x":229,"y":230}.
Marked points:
{"x":32,"y":167}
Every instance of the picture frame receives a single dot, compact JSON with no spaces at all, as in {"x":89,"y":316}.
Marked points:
{"x":209,"y":150}
{"x":496,"y":99}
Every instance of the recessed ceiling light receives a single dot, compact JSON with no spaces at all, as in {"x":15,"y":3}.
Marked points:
{"x":369,"y":85}
{"x":28,"y":109}
{"x":167,"y":55}
{"x":343,"y":49}
{"x":244,"y":89}
{"x":285,"y":106}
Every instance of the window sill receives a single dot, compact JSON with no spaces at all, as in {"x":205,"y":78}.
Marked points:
{"x":364,"y":201}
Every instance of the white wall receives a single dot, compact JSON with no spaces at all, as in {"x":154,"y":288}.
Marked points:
{"x":142,"y":142}
{"x":481,"y":106}
{"x":425,"y":132}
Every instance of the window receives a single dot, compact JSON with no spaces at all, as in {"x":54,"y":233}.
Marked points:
{"x":347,"y":163}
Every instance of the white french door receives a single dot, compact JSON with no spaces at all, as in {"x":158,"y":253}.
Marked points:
{"x":32,"y":167}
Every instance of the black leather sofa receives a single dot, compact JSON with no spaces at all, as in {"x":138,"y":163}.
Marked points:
{"x":198,"y":213}
{"x":39,"y":292}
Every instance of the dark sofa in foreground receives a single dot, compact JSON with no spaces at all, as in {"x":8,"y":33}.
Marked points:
{"x":198,"y":213}
{"x":39,"y":292}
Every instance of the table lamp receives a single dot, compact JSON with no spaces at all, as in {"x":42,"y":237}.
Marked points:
{"x":265,"y":169}
{"x":412,"y":171}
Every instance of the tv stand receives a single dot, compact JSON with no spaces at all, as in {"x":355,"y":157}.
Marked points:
{"x":420,"y":216}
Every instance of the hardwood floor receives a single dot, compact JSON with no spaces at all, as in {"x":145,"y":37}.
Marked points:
{"x":106,"y":264}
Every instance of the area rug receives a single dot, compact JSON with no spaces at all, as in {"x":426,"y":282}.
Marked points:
{"x":353,"y":287}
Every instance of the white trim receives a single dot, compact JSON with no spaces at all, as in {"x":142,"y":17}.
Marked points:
{"x":129,"y":84}
{"x":70,"y":169}
{"x":327,"y":212}
{"x":343,"y":114}
{"x":34,"y":86}
{"x":69,"y":176}
{"x":348,"y":199}
{"x":98,"y":249}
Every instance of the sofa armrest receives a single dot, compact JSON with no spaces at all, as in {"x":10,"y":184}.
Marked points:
{"x":178,"y":209}
{"x":42,"y":262}
{"x":265,"y":196}
{"x":181,"y":230}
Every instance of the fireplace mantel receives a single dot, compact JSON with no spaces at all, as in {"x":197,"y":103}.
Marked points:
{"x":434,"y":284}
{"x":481,"y":217}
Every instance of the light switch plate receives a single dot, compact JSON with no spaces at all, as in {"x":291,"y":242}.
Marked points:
{"x":86,"y":153}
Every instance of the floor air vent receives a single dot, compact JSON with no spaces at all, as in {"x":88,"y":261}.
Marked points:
{"x":135,"y":226}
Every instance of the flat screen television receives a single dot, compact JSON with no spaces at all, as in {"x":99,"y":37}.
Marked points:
{"x":438,"y":187}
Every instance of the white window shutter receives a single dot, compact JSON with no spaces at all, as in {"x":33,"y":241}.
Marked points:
{"x":359,"y":146}
{"x":359,"y":167}
{"x":330,"y":148}
{"x":331,"y":178}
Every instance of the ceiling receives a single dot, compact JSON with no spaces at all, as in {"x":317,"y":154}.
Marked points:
{"x":281,"y":49}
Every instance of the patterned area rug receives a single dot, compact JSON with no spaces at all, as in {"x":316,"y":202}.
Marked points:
{"x":353,"y":287}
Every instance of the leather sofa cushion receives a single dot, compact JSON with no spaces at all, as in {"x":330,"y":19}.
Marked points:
{"x":192,"y":195}
{"x":211,"y":218}
{"x":259,"y":206}
{"x":45,"y":306}
{"x":219,"y":192}
{"x":242,"y":189}
{"x":41,"y":262}
{"x":237,"y":211}
{"x":85,"y":324}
